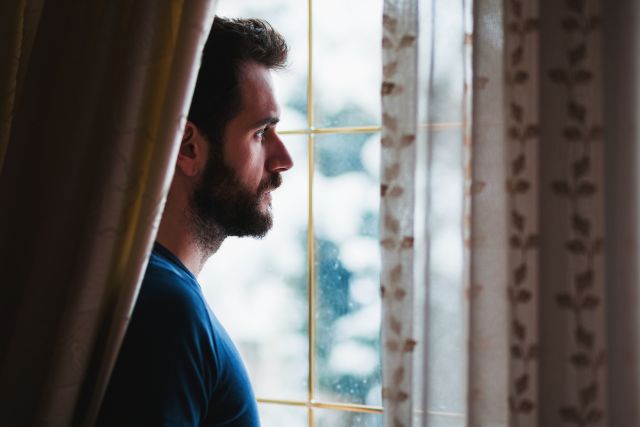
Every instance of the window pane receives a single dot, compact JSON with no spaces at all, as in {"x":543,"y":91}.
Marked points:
{"x":282,"y":415}
{"x":347,"y":36}
{"x":347,"y":268}
{"x":289,"y":17}
{"x":258,"y":289}
{"x":333,"y":418}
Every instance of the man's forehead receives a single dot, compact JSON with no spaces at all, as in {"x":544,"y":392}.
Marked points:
{"x":255,"y":79}
{"x":256,"y":89}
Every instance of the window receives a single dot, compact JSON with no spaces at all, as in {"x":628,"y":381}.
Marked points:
{"x":303,"y":304}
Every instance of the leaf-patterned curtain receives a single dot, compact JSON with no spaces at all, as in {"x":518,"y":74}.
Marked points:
{"x":94,"y":99}
{"x":547,"y":343}
{"x":399,"y":131}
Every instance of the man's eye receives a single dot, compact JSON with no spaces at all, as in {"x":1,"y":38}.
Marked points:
{"x":260,"y":133}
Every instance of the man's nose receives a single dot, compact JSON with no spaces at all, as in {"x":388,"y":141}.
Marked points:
{"x":279,"y":158}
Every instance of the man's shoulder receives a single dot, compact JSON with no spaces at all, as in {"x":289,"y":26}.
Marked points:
{"x":167,"y":367}
{"x":171,"y":293}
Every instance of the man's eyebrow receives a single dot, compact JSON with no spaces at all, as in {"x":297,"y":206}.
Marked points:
{"x":271,"y":120}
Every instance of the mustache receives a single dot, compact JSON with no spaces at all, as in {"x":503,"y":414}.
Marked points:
{"x":271,"y":183}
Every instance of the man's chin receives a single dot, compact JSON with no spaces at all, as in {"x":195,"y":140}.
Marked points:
{"x":257,"y":227}
{"x":266,"y":210}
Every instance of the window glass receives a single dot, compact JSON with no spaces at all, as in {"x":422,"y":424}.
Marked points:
{"x":347,"y":268}
{"x":347,"y":62}
{"x":332,"y":418}
{"x":283,"y":416}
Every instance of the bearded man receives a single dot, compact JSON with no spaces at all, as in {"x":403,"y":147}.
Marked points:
{"x":177,"y":366}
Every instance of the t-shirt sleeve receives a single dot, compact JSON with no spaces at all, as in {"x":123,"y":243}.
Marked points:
{"x":166,"y":368}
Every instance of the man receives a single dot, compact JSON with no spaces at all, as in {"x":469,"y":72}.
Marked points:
{"x":177,"y":365}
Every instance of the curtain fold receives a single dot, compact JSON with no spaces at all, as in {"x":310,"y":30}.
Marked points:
{"x":542,"y":192}
{"x":521,"y":68}
{"x":11,"y":41}
{"x":621,"y":59}
{"x":89,"y":158}
{"x":573,"y":341}
{"x":486,"y":207}
{"x":398,"y":154}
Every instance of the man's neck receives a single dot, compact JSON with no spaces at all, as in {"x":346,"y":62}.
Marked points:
{"x":176,"y":235}
{"x":192,"y":255}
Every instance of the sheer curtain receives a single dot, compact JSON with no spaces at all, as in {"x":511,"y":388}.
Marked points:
{"x":95,"y":95}
{"x":550,"y":295}
{"x":399,"y":131}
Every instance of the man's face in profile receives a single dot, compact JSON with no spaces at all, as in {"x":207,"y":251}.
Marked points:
{"x":234,"y":192}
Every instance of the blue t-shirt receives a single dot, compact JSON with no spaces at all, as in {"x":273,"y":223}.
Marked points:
{"x":177,"y":365}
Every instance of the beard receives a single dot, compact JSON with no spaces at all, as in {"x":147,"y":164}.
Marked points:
{"x":221,"y":205}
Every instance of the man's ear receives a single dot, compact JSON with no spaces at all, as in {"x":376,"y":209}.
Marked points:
{"x":192,"y":156}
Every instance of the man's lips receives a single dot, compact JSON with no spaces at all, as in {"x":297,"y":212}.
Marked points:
{"x":269,"y":190}
{"x":268,"y":186}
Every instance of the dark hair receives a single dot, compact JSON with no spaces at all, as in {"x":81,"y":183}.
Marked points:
{"x":231,"y":44}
